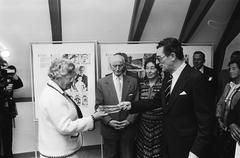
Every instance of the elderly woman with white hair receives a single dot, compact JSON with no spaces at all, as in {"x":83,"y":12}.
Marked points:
{"x":60,"y":119}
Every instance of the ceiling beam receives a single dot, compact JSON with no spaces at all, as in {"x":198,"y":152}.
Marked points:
{"x":196,"y":12}
{"x":55,"y":18}
{"x":141,"y":12}
{"x":231,"y":31}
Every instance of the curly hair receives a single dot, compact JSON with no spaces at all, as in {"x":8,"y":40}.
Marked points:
{"x":60,"y":68}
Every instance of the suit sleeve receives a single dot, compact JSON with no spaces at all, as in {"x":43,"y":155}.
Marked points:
{"x":204,"y":113}
{"x":132,"y":117}
{"x":17,"y":83}
{"x":140,"y":106}
{"x":100,"y":101}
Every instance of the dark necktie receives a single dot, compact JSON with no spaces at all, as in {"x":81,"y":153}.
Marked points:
{"x":168,"y":88}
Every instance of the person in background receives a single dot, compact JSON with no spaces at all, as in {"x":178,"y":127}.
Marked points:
{"x":223,"y":76}
{"x":149,"y":139}
{"x":209,"y":73}
{"x":60,"y":119}
{"x":8,"y":108}
{"x":228,"y":113}
{"x":118,"y":129}
{"x":186,"y":103}
{"x":17,"y":83}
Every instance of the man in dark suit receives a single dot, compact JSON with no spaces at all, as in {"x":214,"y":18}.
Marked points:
{"x":188,"y":113}
{"x":117,"y":129}
{"x":209,"y":73}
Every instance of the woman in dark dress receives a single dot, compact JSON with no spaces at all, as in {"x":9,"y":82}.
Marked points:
{"x":149,"y":135}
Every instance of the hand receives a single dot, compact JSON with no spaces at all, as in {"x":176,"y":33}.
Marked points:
{"x":124,"y":124}
{"x":115,"y":124}
{"x":220,"y":123}
{"x":9,"y":88}
{"x":99,"y":114}
{"x":235,"y":132}
{"x":192,"y":155}
{"x":15,"y":77}
{"x":125,"y":105}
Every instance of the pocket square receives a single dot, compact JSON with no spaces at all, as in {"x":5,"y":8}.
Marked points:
{"x":183,"y":93}
{"x":210,"y":79}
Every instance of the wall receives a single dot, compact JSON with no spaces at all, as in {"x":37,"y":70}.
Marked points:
{"x":234,"y":45}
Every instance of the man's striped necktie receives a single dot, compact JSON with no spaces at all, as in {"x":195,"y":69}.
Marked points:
{"x":168,"y":88}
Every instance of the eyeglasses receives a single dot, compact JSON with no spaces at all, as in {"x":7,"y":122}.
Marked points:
{"x":160,"y":58}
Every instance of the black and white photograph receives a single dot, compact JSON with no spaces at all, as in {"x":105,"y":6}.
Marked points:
{"x":120,"y":79}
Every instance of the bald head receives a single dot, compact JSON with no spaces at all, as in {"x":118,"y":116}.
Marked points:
{"x":117,"y":64}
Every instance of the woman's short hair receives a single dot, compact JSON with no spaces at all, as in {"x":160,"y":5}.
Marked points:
{"x":60,"y":68}
{"x":152,"y":60}
{"x":236,"y":61}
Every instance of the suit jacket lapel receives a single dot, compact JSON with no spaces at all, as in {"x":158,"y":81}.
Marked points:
{"x":125,"y":88}
{"x":111,"y":88}
{"x":182,"y":80}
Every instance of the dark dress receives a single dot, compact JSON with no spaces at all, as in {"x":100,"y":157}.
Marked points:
{"x":149,"y":135}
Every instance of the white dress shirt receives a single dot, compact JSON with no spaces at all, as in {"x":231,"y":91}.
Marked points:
{"x":176,"y":75}
{"x":202,"y":69}
{"x":115,"y":80}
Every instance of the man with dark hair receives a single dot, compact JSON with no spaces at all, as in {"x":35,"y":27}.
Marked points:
{"x":186,"y":103}
{"x":8,"y":106}
{"x":209,"y":73}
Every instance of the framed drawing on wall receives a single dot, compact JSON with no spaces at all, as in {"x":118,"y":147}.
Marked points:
{"x":82,"y":55}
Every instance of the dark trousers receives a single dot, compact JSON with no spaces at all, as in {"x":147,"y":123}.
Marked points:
{"x":122,"y":148}
{"x":225,"y":145}
{"x":178,"y":147}
{"x":6,"y":132}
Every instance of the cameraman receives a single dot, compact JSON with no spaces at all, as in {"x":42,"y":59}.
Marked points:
{"x":9,"y":82}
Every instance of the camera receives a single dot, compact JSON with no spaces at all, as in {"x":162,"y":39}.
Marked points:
{"x":6,"y":77}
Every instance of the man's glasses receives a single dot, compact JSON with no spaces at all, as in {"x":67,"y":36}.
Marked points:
{"x":161,"y":58}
